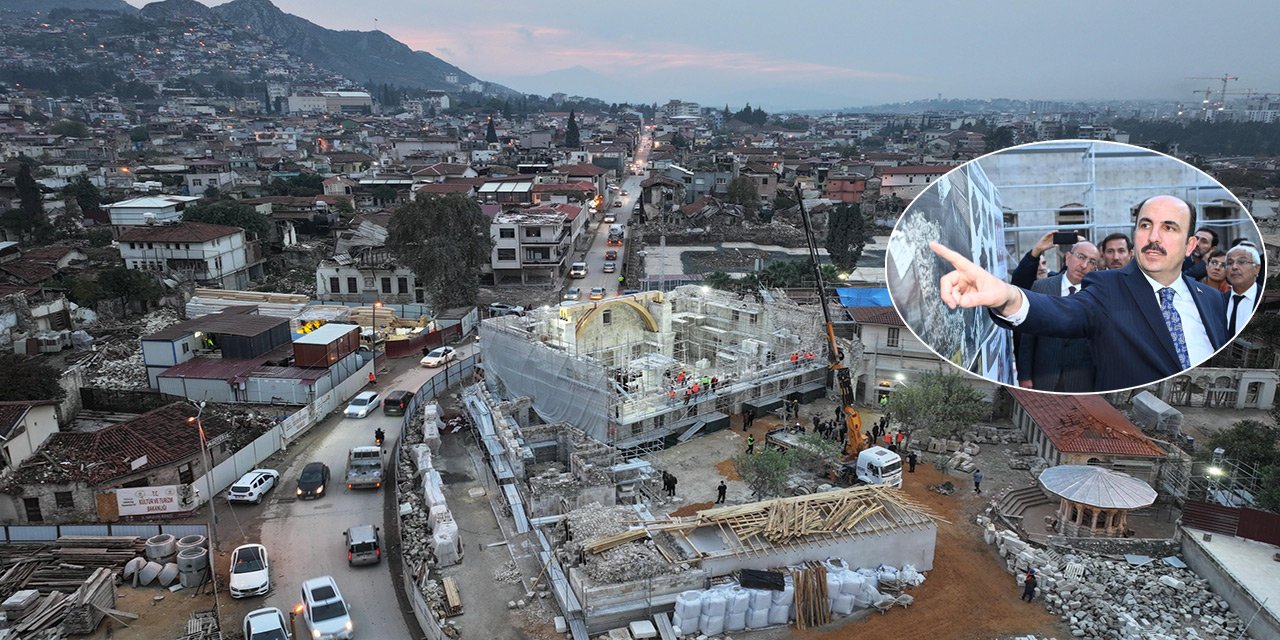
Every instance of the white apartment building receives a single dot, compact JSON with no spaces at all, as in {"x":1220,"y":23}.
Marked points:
{"x":148,"y":210}
{"x":208,"y":254}
{"x":535,"y":244}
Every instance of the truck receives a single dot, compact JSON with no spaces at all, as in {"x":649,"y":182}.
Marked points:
{"x":616,"y":233}
{"x":872,"y":465}
{"x":364,"y":468}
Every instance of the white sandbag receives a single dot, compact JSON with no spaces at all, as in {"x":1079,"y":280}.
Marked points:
{"x":785,"y":596}
{"x":758,"y":618}
{"x":685,"y":625}
{"x":866,"y":596}
{"x":779,"y":614}
{"x":738,"y":600}
{"x":760,"y":599}
{"x":735,"y":620}
{"x":834,"y":581}
{"x":887,"y":573}
{"x":711,"y":625}
{"x":852,"y":583}
{"x":909,"y":577}
{"x":431,"y":410}
{"x":438,"y":514}
{"x":446,"y":544}
{"x":871,"y":576}
{"x":842,"y":605}
{"x":431,"y":433}
{"x":713,"y":604}
{"x":433,"y":488}
{"x":421,"y":456}
{"x":689,"y":607}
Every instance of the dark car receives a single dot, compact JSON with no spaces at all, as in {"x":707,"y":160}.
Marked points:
{"x":396,"y":402}
{"x":314,"y":479}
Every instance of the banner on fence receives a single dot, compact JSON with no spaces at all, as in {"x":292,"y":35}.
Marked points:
{"x":140,"y":501}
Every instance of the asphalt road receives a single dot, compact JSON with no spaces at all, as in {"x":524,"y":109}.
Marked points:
{"x":304,"y":537}
{"x":596,"y":277}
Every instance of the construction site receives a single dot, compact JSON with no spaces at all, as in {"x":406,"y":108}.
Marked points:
{"x":641,"y":372}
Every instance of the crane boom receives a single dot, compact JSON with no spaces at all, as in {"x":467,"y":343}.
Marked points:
{"x":856,"y":441}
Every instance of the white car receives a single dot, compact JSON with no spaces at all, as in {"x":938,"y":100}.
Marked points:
{"x":574,"y":293}
{"x":253,"y":486}
{"x":439,"y":357}
{"x":363,"y":404}
{"x":324,"y":610}
{"x":266,"y":624}
{"x":250,"y":571}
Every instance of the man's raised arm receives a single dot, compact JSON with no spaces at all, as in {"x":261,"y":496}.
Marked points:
{"x":971,"y":286}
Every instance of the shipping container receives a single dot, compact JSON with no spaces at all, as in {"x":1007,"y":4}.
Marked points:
{"x":326,"y":345}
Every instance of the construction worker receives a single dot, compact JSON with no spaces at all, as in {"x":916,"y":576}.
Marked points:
{"x":695,"y":388}
{"x":373,"y":379}
{"x":751,"y":444}
{"x":795,"y":359}
{"x":714,"y":380}
{"x":671,"y":395}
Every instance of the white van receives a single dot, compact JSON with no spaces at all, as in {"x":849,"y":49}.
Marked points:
{"x":578,"y":270}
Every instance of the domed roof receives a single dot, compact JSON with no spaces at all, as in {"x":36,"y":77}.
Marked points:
{"x":1098,"y":487}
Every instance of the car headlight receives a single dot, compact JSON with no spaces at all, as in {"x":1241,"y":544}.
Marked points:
{"x":299,"y":490}
{"x":320,"y":489}
{"x":348,"y":625}
{"x":315,"y":633}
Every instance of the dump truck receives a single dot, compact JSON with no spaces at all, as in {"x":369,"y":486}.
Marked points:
{"x":364,"y":468}
{"x":872,"y":465}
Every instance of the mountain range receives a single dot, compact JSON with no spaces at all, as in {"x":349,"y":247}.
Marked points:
{"x":362,"y":56}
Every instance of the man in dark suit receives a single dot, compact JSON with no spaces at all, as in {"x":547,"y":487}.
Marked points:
{"x":1060,"y":364}
{"x":1243,"y":266}
{"x":1145,"y":322}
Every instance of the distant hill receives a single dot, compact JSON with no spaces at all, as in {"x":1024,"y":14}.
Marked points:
{"x":177,"y":10}
{"x":44,"y":6}
{"x":363,"y":56}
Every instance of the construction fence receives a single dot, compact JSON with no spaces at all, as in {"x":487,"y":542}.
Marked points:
{"x":22,"y":533}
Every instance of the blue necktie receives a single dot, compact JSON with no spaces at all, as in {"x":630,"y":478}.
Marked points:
{"x":1174,"y":322}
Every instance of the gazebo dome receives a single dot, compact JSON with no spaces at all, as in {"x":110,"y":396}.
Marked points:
{"x":1098,"y":487}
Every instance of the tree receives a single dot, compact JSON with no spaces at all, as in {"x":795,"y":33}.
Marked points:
{"x":28,"y":220}
{"x":445,"y":240}
{"x":85,"y":193}
{"x":678,"y":140}
{"x":344,"y":206}
{"x":490,"y":132}
{"x":572,"y":138}
{"x":846,"y":236}
{"x":999,"y":139}
{"x":121,"y":283}
{"x":384,"y":194}
{"x":766,"y":473}
{"x":30,"y":198}
{"x":212,"y":193}
{"x":231,"y":214}
{"x":70,"y":222}
{"x":938,"y":403}
{"x":70,"y":128}
{"x":23,"y":378}
{"x":1248,"y":441}
{"x":742,"y":191}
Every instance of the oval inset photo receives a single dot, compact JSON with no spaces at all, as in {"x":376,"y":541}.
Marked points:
{"x":1075,"y":266}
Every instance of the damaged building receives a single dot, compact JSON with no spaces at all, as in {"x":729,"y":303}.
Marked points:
{"x":644,"y":371}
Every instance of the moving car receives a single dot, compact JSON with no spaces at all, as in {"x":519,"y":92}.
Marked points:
{"x":500,"y":309}
{"x":250,"y":571}
{"x":578,"y":270}
{"x":439,"y":356}
{"x":611,"y":254}
{"x":253,"y":486}
{"x":610,"y":267}
{"x":314,"y":479}
{"x":324,"y":610}
{"x":363,"y":546}
{"x":617,"y":204}
{"x":362,"y":405}
{"x":597,"y":293}
{"x":266,"y":624}
{"x":609,"y":217}
{"x":396,"y":403}
{"x":573,"y":293}
{"x":624,"y":192}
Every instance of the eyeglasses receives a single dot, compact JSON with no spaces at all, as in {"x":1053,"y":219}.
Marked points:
{"x":1216,"y":263}
{"x":1243,"y":263}
{"x":1093,"y":262}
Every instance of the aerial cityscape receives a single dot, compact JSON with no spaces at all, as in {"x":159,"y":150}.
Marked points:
{"x":657,"y":321}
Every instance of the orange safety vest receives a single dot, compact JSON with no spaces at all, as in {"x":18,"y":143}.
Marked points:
{"x":795,"y":357}
{"x":695,"y":387}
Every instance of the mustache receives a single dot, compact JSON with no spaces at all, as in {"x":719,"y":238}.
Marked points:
{"x":1155,"y":247}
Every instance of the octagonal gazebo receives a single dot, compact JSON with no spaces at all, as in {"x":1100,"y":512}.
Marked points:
{"x":1094,"y":501}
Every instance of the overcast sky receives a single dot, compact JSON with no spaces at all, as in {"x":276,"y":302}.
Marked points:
{"x":832,"y":54}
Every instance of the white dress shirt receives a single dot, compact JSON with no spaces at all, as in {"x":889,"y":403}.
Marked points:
{"x":1199,"y":348}
{"x":1247,"y":304}
{"x":1065,"y":290}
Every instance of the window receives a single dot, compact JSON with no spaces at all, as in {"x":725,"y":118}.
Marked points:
{"x":334,"y":284}
{"x":606,"y":317}
{"x":64,"y":499}
{"x":1073,"y":216}
{"x":402,"y":285}
{"x":352,"y":287}
{"x":894,"y":338}
{"x":764,"y":181}
{"x":533,"y":232}
{"x":131,"y":246}
{"x":32,"y":507}
{"x":186,"y":347}
{"x":186,"y":474}
{"x":196,"y":182}
{"x":507,"y":254}
{"x":722,"y":180}
{"x":386,"y":285}
{"x":736,"y":315}
{"x":217,"y":264}
{"x":506,"y":232}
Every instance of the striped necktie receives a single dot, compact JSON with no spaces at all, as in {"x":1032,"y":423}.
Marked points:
{"x":1174,"y":322}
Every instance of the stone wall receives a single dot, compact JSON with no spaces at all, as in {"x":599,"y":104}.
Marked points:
{"x":1153,"y":547}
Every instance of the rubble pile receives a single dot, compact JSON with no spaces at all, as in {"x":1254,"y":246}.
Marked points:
{"x":986,"y":434}
{"x":1102,"y":598}
{"x":632,"y":561}
{"x":119,"y":364}
{"x":508,"y":573}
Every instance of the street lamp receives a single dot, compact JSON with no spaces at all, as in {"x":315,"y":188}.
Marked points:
{"x":206,"y":459}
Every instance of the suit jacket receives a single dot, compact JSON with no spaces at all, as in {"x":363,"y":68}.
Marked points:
{"x":1055,"y":364}
{"x":1257,"y":302}
{"x":1118,"y":312}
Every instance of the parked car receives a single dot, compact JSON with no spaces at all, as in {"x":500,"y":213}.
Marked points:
{"x":324,"y":610}
{"x":313,"y":480}
{"x":396,"y":402}
{"x":362,"y":405}
{"x":266,"y":624}
{"x":578,"y":270}
{"x":597,"y":293}
{"x":611,"y":254}
{"x":253,"y":486}
{"x":499,"y":309}
{"x":250,"y":571}
{"x":439,"y":356}
{"x":573,"y":293}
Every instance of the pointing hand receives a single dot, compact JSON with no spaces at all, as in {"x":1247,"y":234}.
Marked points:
{"x":971,"y":286}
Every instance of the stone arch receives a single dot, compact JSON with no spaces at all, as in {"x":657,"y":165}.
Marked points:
{"x":650,"y":322}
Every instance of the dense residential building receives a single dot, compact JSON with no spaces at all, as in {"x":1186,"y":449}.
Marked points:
{"x":208,"y":254}
{"x":535,"y":244}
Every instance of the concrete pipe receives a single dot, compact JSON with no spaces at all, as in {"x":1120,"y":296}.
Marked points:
{"x":192,"y":580}
{"x":133,"y":566}
{"x":149,"y":573}
{"x":193,"y":559}
{"x":196,"y":540}
{"x":161,"y":546}
{"x":168,"y":574}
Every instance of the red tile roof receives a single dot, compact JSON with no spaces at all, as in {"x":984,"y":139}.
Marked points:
{"x":1085,"y":424}
{"x":877,"y":315}
{"x":181,"y":232}
{"x":29,"y":271}
{"x":556,"y":187}
{"x":10,"y":415}
{"x":444,"y":187}
{"x":581,"y":170}
{"x":916,"y":170}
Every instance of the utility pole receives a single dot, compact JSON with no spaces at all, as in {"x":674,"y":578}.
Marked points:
{"x":206,"y":459}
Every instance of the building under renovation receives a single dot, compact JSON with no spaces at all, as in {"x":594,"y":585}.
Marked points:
{"x":624,"y":370}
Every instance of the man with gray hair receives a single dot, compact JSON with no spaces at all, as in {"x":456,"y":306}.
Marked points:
{"x":1243,"y":266}
{"x":1048,"y":363}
